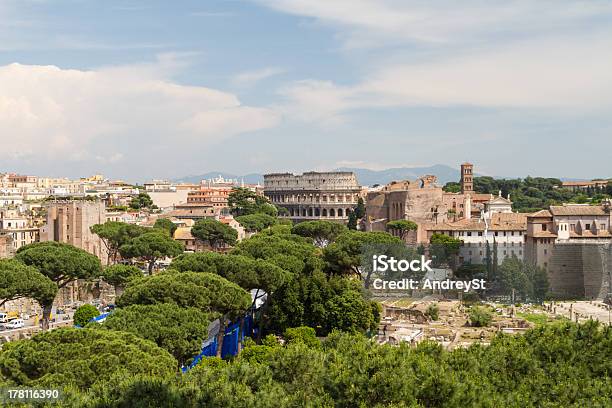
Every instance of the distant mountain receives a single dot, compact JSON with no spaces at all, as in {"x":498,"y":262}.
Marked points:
{"x":368,"y":177}
{"x":365,"y":177}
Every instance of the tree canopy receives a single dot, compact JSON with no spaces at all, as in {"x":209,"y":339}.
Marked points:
{"x":215,"y":233}
{"x":178,"y":330}
{"x":18,"y":280}
{"x":205,"y":291}
{"x":344,"y":256}
{"x":528,"y":281}
{"x":402,"y":227}
{"x":291,"y":252}
{"x":81,"y":358}
{"x":256,"y":222}
{"x":62,"y":264}
{"x":119,"y":275}
{"x":246,"y":272}
{"x":561,"y":365}
{"x":535,"y":193}
{"x":142,"y":201}
{"x":150,"y":247}
{"x":243,"y":201}
{"x":322,"y":232}
{"x":165,"y":224}
{"x":114,"y":234}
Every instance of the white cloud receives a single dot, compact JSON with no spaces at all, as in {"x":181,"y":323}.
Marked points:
{"x":51,"y":113}
{"x":372,"y":22}
{"x":251,"y":77}
{"x":518,"y":54}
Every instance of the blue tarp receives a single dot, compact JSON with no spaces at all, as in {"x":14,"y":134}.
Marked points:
{"x":230,"y":342}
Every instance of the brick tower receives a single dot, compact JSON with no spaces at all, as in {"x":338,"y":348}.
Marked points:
{"x":467,"y":181}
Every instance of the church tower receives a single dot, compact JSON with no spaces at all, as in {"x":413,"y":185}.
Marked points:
{"x":467,"y":181}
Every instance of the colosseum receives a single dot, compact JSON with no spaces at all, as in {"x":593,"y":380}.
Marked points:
{"x":314,"y":195}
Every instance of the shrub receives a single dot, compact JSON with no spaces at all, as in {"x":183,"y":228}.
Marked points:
{"x":433,"y":311}
{"x":305,"y":335}
{"x":84,"y":314}
{"x":480,"y":316}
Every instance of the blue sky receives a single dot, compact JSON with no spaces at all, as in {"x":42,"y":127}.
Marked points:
{"x":143,"y":89}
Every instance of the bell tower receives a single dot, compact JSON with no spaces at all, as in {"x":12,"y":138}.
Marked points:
{"x":467,"y":180}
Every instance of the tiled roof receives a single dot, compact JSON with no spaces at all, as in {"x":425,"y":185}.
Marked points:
{"x":508,"y":222}
{"x":541,"y":213}
{"x":576,"y":209}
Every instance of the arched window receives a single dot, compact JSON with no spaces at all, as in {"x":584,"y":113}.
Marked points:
{"x":332,"y":212}
{"x":324,"y":212}
{"x":317,"y":212}
{"x":340,"y":212}
{"x":310,"y":212}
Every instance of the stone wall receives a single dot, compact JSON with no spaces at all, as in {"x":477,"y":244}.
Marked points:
{"x":580,"y":270}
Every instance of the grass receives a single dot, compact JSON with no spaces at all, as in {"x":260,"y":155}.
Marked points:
{"x":535,"y":318}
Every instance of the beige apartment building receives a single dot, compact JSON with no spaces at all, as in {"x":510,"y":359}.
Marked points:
{"x":19,"y":227}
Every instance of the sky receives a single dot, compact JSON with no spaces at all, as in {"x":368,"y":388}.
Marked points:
{"x":162,"y":89}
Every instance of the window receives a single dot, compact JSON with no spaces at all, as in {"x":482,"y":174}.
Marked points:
{"x":545,"y":251}
{"x":602,"y":226}
{"x":572,"y":227}
{"x":480,"y":233}
{"x":544,"y":227}
{"x":587,"y":226}
{"x":469,"y":234}
{"x":496,"y":233}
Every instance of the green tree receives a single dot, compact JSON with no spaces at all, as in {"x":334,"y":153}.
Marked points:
{"x":119,"y":275}
{"x":150,"y":247}
{"x":444,"y":249}
{"x":18,"y":280}
{"x":452,"y":187}
{"x":214,"y":233}
{"x":115,"y":234}
{"x":352,"y":220}
{"x":141,"y":201}
{"x":290,"y":252}
{"x":165,"y":224}
{"x":84,"y":314}
{"x":528,"y":281}
{"x":256,"y":222}
{"x":246,"y":272}
{"x":243,"y":201}
{"x":345,"y":256}
{"x":322,"y":232}
{"x":402,"y":227}
{"x":61,"y":263}
{"x":205,"y":291}
{"x":303,"y":334}
{"x":178,"y":330}
{"x":322,"y":302}
{"x":81,"y":358}
{"x":360,"y":209}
